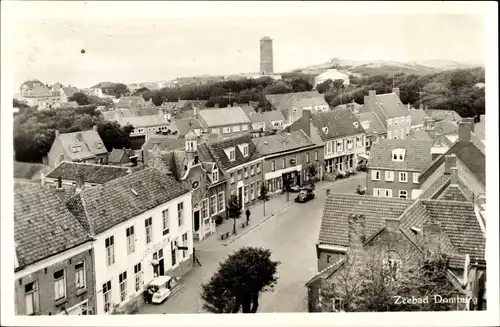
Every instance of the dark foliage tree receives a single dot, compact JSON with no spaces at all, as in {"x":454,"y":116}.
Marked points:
{"x":239,"y":281}
{"x":312,"y":171}
{"x":234,"y":210}
{"x":324,"y":86}
{"x":80,"y":98}
{"x":117,"y":90}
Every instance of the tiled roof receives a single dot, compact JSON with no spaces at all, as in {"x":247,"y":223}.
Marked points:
{"x":340,"y":122}
{"x":386,"y":106}
{"x":417,"y":155}
{"x":104,"y":206}
{"x":441,"y":114}
{"x":375,"y":126}
{"x":334,"y":226}
{"x":273,"y":115}
{"x":420,"y":135}
{"x":286,"y":101}
{"x":418,"y":116}
{"x":445,"y":127}
{"x":472,"y":157}
{"x":129,"y":102}
{"x":90,"y":142}
{"x":69,"y":91}
{"x":255,"y":117}
{"x":183,"y":125}
{"x":118,"y":156}
{"x":282,"y":142}
{"x":92,"y":173}
{"x":452,"y":192}
{"x":43,"y":226}
{"x":355,"y":106}
{"x":147,"y":121}
{"x":224,"y":116}
{"x":218,"y":153}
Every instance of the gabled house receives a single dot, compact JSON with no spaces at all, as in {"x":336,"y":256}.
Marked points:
{"x":291,"y":105}
{"x":224,"y":121}
{"x":241,"y":162}
{"x":137,"y":223}
{"x":275,"y":121}
{"x":418,"y":117}
{"x":123,"y":157}
{"x":389,"y":109}
{"x":402,"y":229}
{"x":134,"y":103}
{"x":259,"y":124}
{"x":84,"y":146}
{"x":374,"y":129}
{"x":341,"y":134}
{"x":54,"y":271}
{"x":395,"y":166}
{"x":197,"y":170}
{"x":443,"y":114}
{"x":288,"y":155}
{"x":67,"y":92}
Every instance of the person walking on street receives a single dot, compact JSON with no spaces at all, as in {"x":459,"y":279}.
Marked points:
{"x":247,"y":212}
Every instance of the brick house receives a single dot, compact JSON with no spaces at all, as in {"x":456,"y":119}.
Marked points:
{"x":288,"y":154}
{"x":395,"y":166}
{"x":340,"y":133}
{"x":84,"y":146}
{"x":241,"y":163}
{"x":137,"y":223}
{"x":198,"y":171}
{"x":401,"y":229}
{"x":389,"y":109}
{"x":54,"y":258}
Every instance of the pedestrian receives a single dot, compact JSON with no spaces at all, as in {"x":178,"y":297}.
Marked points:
{"x":247,"y":212}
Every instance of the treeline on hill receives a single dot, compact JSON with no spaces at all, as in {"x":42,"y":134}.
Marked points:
{"x":34,"y":131}
{"x":241,"y":91}
{"x":451,"y":90}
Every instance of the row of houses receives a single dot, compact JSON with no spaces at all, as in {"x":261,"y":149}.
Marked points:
{"x":36,"y":94}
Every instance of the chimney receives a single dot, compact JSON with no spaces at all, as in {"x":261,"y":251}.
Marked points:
{"x":306,"y":124}
{"x":80,"y":181}
{"x":356,"y":230}
{"x":396,"y":90}
{"x":464,"y":130}
{"x":432,"y":235}
{"x":471,"y":121}
{"x":216,"y":105}
{"x":60,"y":192}
{"x":449,"y":163}
{"x":94,"y":128}
{"x":454,"y":176}
{"x":59,"y":182}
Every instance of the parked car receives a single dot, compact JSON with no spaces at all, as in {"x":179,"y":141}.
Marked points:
{"x":304,"y":195}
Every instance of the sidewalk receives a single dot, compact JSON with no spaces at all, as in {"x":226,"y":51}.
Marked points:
{"x":271,"y":207}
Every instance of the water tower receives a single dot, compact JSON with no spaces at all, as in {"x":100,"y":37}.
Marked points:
{"x":266,"y":55}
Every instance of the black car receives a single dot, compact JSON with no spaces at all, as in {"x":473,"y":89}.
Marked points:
{"x":305,"y":195}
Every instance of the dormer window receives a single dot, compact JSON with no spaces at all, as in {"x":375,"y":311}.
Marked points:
{"x":325,"y":130}
{"x":215,"y":176}
{"x":398,"y":154}
{"x":98,"y":145}
{"x":244,"y":149}
{"x":76,"y":148}
{"x":365,"y":124}
{"x":356,"y":125}
{"x":230,"y":153}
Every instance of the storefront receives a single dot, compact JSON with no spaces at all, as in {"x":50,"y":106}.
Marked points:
{"x":341,"y":163}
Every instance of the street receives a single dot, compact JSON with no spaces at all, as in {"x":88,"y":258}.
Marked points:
{"x":291,"y":235}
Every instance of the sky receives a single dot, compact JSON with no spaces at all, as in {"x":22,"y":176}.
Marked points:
{"x":142,"y":48}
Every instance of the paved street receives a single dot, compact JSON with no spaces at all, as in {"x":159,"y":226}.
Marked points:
{"x":291,"y":235}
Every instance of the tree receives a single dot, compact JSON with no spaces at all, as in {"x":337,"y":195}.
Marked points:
{"x":338,"y":84}
{"x":301,"y":84}
{"x":279,"y":87}
{"x":80,"y":98}
{"x":324,"y":86}
{"x":234,"y":210}
{"x":311,"y":173}
{"x":239,"y":281}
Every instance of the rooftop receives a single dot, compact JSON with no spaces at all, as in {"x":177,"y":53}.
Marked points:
{"x":417,"y":155}
{"x":282,"y":142}
{"x":385,"y":106}
{"x":442,"y":114}
{"x":217,"y":150}
{"x":89,"y":141}
{"x":374,"y":125}
{"x":340,"y":122}
{"x":418,"y":116}
{"x":93,"y":173}
{"x":224,"y":116}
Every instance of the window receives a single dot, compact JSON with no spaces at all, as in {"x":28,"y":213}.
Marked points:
{"x":245,"y":195}
{"x":221,"y":201}
{"x":307,"y":158}
{"x":226,"y":130}
{"x":316,"y":155}
{"x":284,"y":162}
{"x":382,"y":192}
{"x":130,"y":239}
{"x":340,"y":146}
{"x":403,"y":177}
{"x":416,"y":177}
{"x":80,"y":275}
{"x":184,"y":243}
{"x":236,"y":129}
{"x":398,"y":154}
{"x":148,"y":223}
{"x":110,"y":250}
{"x":180,"y":208}
{"x":359,"y":141}
{"x":138,"y":277}
{"x":258,"y":167}
{"x":337,"y":305}
{"x":375,"y":175}
{"x":245,"y":170}
{"x":244,"y":127}
{"x":213,"y":205}
{"x":31,"y":298}
{"x":329,"y":147}
{"x":215,"y":130}
{"x":122,"y":278}
{"x":106,"y":293}
{"x":232,"y":155}
{"x":232,"y":178}
{"x":252,"y":191}
{"x":273,"y":165}
{"x":252,"y":170}
{"x":59,"y":285}
{"x":165,"y":222}
{"x":403,"y":194}
{"x":174,"y":250}
{"x":349,"y":144}
{"x":215,"y":176}
{"x":389,"y":176}
{"x":245,"y":150}
{"x":204,"y":208}
{"x":239,"y":174}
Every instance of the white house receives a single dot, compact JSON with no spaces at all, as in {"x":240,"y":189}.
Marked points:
{"x":332,"y":74}
{"x":138,"y":222}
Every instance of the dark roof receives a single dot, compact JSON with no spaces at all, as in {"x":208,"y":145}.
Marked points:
{"x":284,"y":102}
{"x":386,"y":106}
{"x":69,"y":91}
{"x":118,"y":156}
{"x":472,"y":157}
{"x":273,"y":115}
{"x":101,"y":207}
{"x":93,"y":173}
{"x":340,"y":122}
{"x":183,"y":125}
{"x":254,"y":116}
{"x":417,"y":155}
{"x":452,"y":192}
{"x":443,"y":114}
{"x":43,"y":226}
{"x":418,"y":116}
{"x":374,"y":123}
{"x":217,"y":150}
{"x":282,"y":142}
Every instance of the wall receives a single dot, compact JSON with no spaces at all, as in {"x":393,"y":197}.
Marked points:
{"x":46,"y":295}
{"x":143,"y":252}
{"x":220,"y":127}
{"x":395,"y":186}
{"x":232,"y":188}
{"x":394,"y":130}
{"x":54,"y":153}
{"x":328,"y":257}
